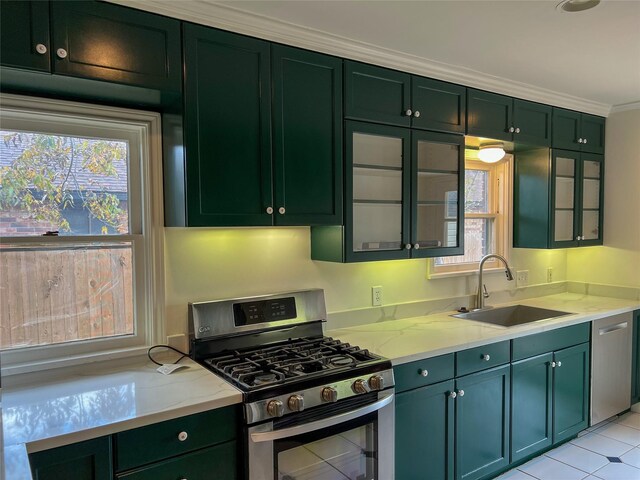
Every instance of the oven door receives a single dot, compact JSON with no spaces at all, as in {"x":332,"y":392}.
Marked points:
{"x":357,"y":444}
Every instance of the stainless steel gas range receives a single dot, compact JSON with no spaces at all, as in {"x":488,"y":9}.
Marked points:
{"x":314,"y":407}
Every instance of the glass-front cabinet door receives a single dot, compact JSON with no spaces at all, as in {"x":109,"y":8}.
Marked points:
{"x":437,"y":204}
{"x":565,"y":168}
{"x":378,"y":185}
{"x":591,"y":201}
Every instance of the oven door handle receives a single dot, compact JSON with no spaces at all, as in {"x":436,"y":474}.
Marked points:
{"x":386,"y":399}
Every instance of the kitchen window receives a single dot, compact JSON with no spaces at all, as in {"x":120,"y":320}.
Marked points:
{"x":486,"y":221}
{"x":79,"y":198}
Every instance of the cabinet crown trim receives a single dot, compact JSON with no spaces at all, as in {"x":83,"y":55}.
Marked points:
{"x":234,"y":19}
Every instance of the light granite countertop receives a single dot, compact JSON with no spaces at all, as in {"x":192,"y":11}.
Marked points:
{"x":100,"y":399}
{"x":410,"y":339}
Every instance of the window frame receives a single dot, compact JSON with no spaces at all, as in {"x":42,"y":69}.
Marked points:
{"x":500,"y":202}
{"x":143,"y":132}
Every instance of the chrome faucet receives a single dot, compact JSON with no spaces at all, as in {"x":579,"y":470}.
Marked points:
{"x":482,"y":290}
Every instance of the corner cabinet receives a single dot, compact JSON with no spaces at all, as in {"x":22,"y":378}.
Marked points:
{"x":253,"y":158}
{"x":403,"y":196}
{"x":558,"y":199}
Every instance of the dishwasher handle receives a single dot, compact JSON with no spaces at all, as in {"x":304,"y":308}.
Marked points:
{"x":612,"y":328}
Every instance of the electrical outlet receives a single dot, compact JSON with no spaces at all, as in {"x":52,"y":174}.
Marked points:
{"x":178,"y":341}
{"x":549,"y":275}
{"x":376,"y":296}
{"x":522,"y":278}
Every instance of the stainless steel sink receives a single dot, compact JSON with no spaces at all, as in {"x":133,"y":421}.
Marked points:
{"x":511,"y":316}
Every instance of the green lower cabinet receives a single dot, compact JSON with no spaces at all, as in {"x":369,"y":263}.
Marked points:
{"x":635,"y":362}
{"x":531,"y":406}
{"x":217,"y":462}
{"x":571,"y":391}
{"x":424,"y":439}
{"x":482,"y":423}
{"x":90,"y":460}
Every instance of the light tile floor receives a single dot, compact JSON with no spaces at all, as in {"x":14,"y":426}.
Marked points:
{"x":607,"y":451}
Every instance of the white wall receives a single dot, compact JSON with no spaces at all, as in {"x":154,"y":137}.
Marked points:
{"x":618,"y":261}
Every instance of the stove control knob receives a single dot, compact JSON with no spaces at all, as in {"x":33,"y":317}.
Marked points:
{"x":296,"y":403}
{"x":376,"y":382}
{"x":360,"y":386}
{"x":275,"y":408}
{"x":329,"y":394}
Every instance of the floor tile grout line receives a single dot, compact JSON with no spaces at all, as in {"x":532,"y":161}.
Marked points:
{"x":573,"y":466}
{"x":527,"y":474}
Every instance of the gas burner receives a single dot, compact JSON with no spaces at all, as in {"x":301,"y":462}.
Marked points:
{"x":265,"y":379}
{"x":342,"y":360}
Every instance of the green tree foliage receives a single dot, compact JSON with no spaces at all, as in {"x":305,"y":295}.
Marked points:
{"x":53,"y":172}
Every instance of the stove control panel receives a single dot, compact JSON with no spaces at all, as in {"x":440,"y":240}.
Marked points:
{"x":298,"y":401}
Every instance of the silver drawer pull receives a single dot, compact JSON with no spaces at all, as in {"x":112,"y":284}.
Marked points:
{"x":182,"y":436}
{"x":486,"y":357}
{"x":424,"y":372}
{"x":612,"y":328}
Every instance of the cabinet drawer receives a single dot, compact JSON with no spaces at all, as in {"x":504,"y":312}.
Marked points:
{"x":539,"y":343}
{"x":144,"y":445}
{"x":481,"y":358}
{"x":220,"y":459}
{"x":412,"y":375}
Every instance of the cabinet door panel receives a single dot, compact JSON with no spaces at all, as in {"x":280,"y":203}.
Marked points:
{"x":24,"y":25}
{"x":307,"y":132}
{"x":116,"y":44}
{"x":227,"y":128}
{"x":534,"y":122}
{"x":592,"y":133}
{"x":90,"y":460}
{"x":571,"y":392}
{"x":565,"y":184}
{"x":482,"y":423}
{"x":489,"y":115}
{"x":442,"y":105}
{"x":424,"y":433}
{"x":531,"y":414}
{"x":566,"y":129}
{"x":377,"y":94}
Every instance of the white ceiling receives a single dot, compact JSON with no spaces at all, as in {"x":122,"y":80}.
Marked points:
{"x":593,"y":55}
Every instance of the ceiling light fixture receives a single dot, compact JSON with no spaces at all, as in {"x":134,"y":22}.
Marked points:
{"x":573,"y":6}
{"x":491,"y":153}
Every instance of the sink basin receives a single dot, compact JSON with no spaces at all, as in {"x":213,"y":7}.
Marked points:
{"x":512,"y":315}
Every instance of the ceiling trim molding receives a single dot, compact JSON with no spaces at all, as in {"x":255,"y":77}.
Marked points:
{"x":623,"y":107}
{"x":230,"y":18}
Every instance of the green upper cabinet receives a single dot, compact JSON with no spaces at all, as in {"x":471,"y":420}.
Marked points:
{"x":227,"y":127}
{"x":482,"y":423}
{"x":578,"y":131}
{"x":93,"y":40}
{"x":89,"y":460}
{"x":504,"y":118}
{"x":381,"y":95}
{"x":558,"y":199}
{"x":24,"y":35}
{"x":377,"y":94}
{"x":307,"y":137}
{"x":403,"y":196}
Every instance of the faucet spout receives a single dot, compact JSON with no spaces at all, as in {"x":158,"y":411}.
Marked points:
{"x":508,"y":272}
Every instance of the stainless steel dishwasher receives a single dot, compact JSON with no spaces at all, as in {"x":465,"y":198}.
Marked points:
{"x":610,"y":366}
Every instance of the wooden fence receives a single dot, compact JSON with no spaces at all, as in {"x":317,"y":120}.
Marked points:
{"x":62,"y":294}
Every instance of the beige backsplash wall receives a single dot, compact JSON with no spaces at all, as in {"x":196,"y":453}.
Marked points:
{"x":205,"y":264}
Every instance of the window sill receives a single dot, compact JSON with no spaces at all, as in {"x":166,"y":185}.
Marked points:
{"x":465,"y":273}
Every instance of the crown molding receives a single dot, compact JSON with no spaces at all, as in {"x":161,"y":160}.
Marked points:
{"x":623,"y":107}
{"x":233,"y":19}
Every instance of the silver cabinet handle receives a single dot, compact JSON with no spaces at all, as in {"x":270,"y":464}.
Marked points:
{"x":486,"y":357}
{"x":584,"y":140}
{"x":281,"y":210}
{"x":416,"y":113}
{"x":416,"y":246}
{"x":512,"y":129}
{"x":41,"y":48}
{"x":408,"y":246}
{"x":424,"y":372}
{"x":553,"y":364}
{"x":453,"y":394}
{"x":517,"y":129}
{"x":269,"y":210}
{"x":408,"y":112}
{"x":182,"y":436}
{"x":579,"y":238}
{"x":559,"y":364}
{"x":461,"y":393}
{"x":612,"y":328}
{"x":61,"y":52}
{"x":579,"y":140}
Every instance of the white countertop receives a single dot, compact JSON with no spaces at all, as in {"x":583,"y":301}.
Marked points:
{"x":101,"y":399}
{"x":409,"y":339}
